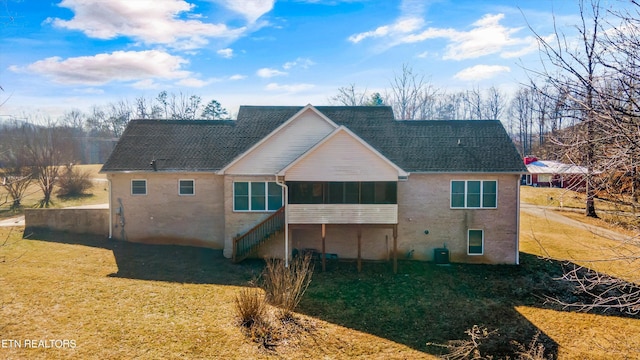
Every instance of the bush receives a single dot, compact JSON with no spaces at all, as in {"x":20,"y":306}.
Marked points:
{"x":284,"y":287}
{"x":73,"y":182}
{"x":250,"y":307}
{"x":472,"y":349}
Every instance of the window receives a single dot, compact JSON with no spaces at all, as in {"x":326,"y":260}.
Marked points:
{"x":301,"y":192}
{"x":186,"y":187}
{"x":256,"y":196}
{"x":474,"y":194}
{"x":138,"y":187}
{"x":475,"y":240}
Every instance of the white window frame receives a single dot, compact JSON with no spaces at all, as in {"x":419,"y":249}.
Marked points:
{"x":180,"y":188}
{"x":146,"y":190}
{"x":469,"y":238}
{"x":466,"y":191}
{"x":266,"y":196}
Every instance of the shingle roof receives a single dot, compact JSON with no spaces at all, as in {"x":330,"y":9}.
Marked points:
{"x":414,"y":145}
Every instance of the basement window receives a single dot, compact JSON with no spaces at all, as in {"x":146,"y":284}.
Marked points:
{"x":475,"y":242}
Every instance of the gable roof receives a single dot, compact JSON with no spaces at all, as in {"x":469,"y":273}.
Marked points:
{"x":354,"y":138}
{"x":413,"y":145}
{"x":256,"y":146}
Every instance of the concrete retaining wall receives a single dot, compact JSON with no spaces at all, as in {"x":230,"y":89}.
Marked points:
{"x":80,"y":221}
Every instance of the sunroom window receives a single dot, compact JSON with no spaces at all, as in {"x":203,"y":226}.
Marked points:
{"x":256,"y":196}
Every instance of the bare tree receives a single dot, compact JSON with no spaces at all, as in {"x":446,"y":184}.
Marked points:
{"x":411,"y":96}
{"x":473,"y":104}
{"x":15,"y":173}
{"x":575,"y":69}
{"x":349,"y":96}
{"x":47,"y":149}
{"x":521,"y":113}
{"x":494,"y":104}
{"x":183,"y":107}
{"x":147,"y":109}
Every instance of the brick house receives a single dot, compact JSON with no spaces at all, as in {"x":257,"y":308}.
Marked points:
{"x":348,"y":181}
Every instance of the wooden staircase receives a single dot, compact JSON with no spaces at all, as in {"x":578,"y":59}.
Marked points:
{"x":248,"y":243}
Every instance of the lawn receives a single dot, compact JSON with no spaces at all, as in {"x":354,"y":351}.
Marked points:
{"x":125,"y":300}
{"x":98,"y":194}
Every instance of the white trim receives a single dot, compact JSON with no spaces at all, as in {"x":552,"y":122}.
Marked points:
{"x":272,"y":134}
{"x":401,"y":173}
{"x":481,"y":207}
{"x":193,"y":181}
{"x":146,"y":190}
{"x":468,"y":233}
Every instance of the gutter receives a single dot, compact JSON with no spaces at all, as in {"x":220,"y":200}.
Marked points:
{"x":286,"y":221}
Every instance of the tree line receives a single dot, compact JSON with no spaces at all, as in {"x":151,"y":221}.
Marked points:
{"x":43,"y":150}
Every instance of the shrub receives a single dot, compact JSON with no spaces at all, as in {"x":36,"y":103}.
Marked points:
{"x":73,"y":182}
{"x":250,"y":307}
{"x":284,"y":287}
{"x":471,"y":349}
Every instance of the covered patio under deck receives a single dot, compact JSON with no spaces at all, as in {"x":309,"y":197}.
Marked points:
{"x":344,"y":240}
{"x":346,"y":207}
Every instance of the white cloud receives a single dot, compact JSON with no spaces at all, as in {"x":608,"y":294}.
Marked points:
{"x":225,"y":53}
{"x":486,"y":36}
{"x":251,"y":10}
{"x":299,"y":62}
{"x":193,"y":82}
{"x":90,"y":91}
{"x":104,"y":68}
{"x":290,"y":88}
{"x":149,"y":21}
{"x":402,"y":26}
{"x":481,"y":72}
{"x":146,"y":84}
{"x":237,"y":77}
{"x":268,"y":72}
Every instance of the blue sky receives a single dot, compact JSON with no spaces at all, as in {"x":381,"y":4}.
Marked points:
{"x":59,"y":55}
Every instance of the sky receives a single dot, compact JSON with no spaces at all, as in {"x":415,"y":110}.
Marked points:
{"x":72,"y":54}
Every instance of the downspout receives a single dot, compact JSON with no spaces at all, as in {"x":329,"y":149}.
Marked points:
{"x":110,"y":210}
{"x":518,"y":226}
{"x":286,"y":221}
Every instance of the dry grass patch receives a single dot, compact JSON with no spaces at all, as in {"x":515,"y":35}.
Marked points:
{"x":558,"y":197}
{"x":122,"y":300}
{"x":583,"y":336}
{"x":98,"y":193}
{"x":596,"y":335}
{"x":548,"y":238}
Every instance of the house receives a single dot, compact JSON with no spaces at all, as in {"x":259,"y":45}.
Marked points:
{"x":352,"y":182}
{"x":547,"y":173}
